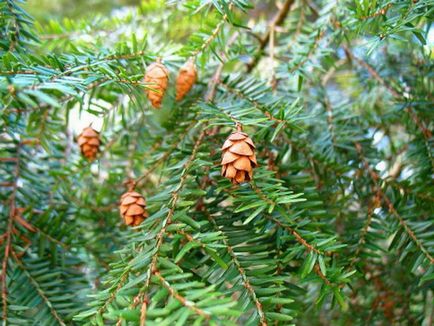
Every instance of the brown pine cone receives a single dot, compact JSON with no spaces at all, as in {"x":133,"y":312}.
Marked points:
{"x":238,"y":159}
{"x":157,"y":76}
{"x":133,"y":208}
{"x":89,"y":143}
{"x":185,"y":80}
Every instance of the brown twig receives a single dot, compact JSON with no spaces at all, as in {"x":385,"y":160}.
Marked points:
{"x":371,"y":71}
{"x":296,"y":235}
{"x":215,"y":80}
{"x":185,"y":302}
{"x":278,"y":20}
{"x":8,"y":244}
{"x":381,"y":11}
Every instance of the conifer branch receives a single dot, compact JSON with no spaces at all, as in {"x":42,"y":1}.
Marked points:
{"x":371,"y":71}
{"x":167,"y":153}
{"x":424,"y":130}
{"x":15,"y":25}
{"x":311,"y":52}
{"x":185,"y":302}
{"x":71,"y":69}
{"x":39,"y":290}
{"x":241,"y":271}
{"x":9,"y":230}
{"x":168,"y":219}
{"x":213,"y":35}
{"x":253,"y":101}
{"x":381,"y":11}
{"x":296,"y":235}
{"x":373,"y":203}
{"x":376,"y":180}
{"x":330,"y":122}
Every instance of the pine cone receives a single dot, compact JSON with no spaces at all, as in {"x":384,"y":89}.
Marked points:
{"x":157,"y":76}
{"x":238,"y":158}
{"x":89,"y":143}
{"x":133,"y":208}
{"x":185,"y":80}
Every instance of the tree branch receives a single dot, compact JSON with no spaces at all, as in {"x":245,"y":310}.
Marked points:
{"x":8,"y":244}
{"x":241,"y":271}
{"x":38,"y":289}
{"x":376,"y":178}
{"x":278,"y":20}
{"x":185,"y":302}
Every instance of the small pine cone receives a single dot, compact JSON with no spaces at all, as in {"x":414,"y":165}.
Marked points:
{"x":238,"y":159}
{"x":185,"y":80}
{"x":133,"y":208}
{"x":157,"y":76}
{"x":89,"y":143}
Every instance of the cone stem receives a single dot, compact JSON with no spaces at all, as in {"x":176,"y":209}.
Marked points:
{"x":131,"y":184}
{"x":239,"y":126}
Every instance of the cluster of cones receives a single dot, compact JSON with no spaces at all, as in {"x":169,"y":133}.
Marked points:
{"x":238,"y":158}
{"x":157,"y":80}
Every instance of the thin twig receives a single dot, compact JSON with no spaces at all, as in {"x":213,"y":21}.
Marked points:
{"x":185,"y":302}
{"x":278,"y":20}
{"x":168,"y":220}
{"x":213,"y":35}
{"x":296,"y":235}
{"x":164,"y":157}
{"x":376,"y":179}
{"x":241,"y":271}
{"x":8,"y":244}
{"x":38,"y":289}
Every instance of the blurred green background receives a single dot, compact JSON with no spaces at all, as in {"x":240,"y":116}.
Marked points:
{"x":44,"y":10}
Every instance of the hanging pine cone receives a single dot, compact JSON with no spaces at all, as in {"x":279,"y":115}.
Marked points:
{"x":238,"y":159}
{"x":157,"y":76}
{"x":186,"y":79}
{"x":89,"y":143}
{"x":133,"y":208}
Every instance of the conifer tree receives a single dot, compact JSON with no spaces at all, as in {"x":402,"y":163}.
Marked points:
{"x":323,"y":110}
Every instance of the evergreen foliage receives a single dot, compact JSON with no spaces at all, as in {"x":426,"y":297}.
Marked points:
{"x":335,"y":229}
